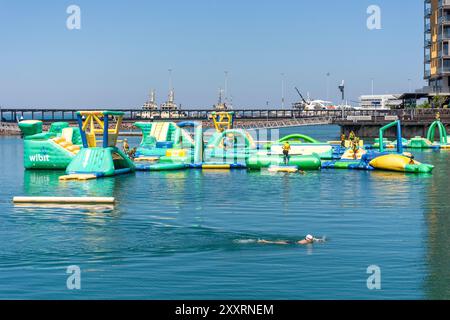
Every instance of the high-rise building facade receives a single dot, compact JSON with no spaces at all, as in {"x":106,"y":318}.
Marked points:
{"x":437,"y":45}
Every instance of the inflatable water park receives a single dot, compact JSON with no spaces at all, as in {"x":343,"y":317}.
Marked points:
{"x":90,"y":150}
{"x":418,"y":142}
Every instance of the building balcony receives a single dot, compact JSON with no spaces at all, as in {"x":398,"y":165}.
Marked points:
{"x":444,"y":4}
{"x":427,"y":43}
{"x":427,"y":74}
{"x":427,"y":58}
{"x":428,"y":12}
{"x":444,"y":20}
{"x":442,"y":53}
{"x":445,"y":70}
{"x":427,"y":28}
{"x":443,"y":36}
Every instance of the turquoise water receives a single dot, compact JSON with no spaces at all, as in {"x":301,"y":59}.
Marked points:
{"x":190,"y":234}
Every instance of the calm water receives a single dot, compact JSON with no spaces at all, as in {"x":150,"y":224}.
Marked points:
{"x":188,"y":235}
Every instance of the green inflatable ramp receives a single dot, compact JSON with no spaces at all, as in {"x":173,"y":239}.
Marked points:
{"x":101,"y":162}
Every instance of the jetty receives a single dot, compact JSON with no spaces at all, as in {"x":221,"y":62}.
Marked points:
{"x":364,"y":123}
{"x":9,"y":129}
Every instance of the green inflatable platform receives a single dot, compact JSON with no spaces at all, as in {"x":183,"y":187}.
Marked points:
{"x":99,"y":160}
{"x":49,"y":150}
{"x":308,"y":162}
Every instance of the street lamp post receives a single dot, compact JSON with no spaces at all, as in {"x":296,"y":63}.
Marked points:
{"x":226,"y":87}
{"x":282,"y":91}
{"x":328,"y":86}
{"x":170,"y":79}
{"x":342,"y":89}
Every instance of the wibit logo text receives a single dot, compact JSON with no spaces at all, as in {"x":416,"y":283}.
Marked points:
{"x":39,"y":157}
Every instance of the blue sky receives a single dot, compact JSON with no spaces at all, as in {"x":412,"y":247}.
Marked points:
{"x":124,"y":48}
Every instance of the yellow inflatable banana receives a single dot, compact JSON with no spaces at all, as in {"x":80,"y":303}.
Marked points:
{"x":396,"y":162}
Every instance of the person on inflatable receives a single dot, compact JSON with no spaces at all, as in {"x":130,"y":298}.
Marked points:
{"x":132,"y":153}
{"x":286,"y":149}
{"x":126,"y":146}
{"x":410,"y":156}
{"x":355,"y":147}
{"x":351,"y":136}
{"x":343,"y":140}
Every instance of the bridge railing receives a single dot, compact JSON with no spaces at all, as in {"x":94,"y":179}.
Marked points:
{"x":14,"y":115}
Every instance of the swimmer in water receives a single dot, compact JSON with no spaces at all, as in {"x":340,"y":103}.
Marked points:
{"x":309,"y":239}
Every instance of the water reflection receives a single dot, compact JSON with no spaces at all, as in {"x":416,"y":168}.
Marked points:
{"x":90,"y":208}
{"x":401,"y":177}
{"x":83,"y":224}
{"x":46,"y":183}
{"x":437,"y":209}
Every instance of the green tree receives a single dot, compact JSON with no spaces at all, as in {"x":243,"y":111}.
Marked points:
{"x":438,"y":101}
{"x":425,"y":105}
